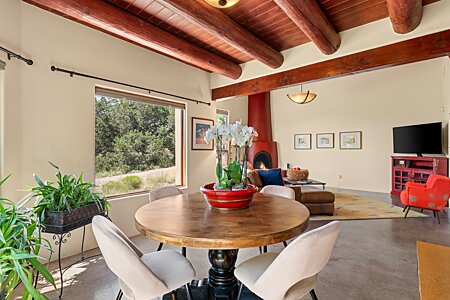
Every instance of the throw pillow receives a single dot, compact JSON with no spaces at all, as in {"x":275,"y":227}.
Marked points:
{"x":254,"y":178}
{"x":271,"y":177}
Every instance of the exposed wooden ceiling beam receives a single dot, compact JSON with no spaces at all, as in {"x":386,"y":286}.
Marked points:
{"x":310,"y":18}
{"x":222,"y":26}
{"x":409,"y":51}
{"x":405,"y":14}
{"x":105,"y":17}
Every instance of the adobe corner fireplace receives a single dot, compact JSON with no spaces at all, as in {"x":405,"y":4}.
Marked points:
{"x":262,"y":160}
{"x":263,"y":153}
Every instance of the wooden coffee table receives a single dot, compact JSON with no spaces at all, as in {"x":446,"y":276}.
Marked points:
{"x":186,"y":220}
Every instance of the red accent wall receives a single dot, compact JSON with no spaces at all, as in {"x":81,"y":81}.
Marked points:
{"x":259,"y":117}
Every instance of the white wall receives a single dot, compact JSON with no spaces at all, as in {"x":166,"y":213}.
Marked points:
{"x":435,"y":18}
{"x":48,"y":116}
{"x":371,"y":102}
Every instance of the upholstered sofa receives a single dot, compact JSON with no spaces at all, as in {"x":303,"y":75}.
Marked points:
{"x":318,"y":201}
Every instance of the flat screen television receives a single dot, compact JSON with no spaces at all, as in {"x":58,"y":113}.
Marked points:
{"x":423,"y":138}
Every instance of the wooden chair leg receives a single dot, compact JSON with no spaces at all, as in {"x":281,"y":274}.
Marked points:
{"x":265,"y":249}
{"x":313,"y":295}
{"x":160,"y":246}
{"x":240,"y":290}
{"x":183,"y":251}
{"x":260,"y":250}
{"x":405,"y":207}
{"x":285,"y":244}
{"x":439,"y":219}
{"x":407,"y":211}
{"x":421,"y":210}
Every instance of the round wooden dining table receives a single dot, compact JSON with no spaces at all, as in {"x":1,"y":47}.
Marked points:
{"x":187,"y":220}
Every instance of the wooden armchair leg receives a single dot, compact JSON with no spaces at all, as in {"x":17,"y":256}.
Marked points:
{"x":407,"y":211}
{"x":439,"y":219}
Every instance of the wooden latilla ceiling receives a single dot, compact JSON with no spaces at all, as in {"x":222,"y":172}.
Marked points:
{"x":218,"y":40}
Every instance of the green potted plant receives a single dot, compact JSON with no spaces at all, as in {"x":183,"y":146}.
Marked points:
{"x":231,"y":191}
{"x":20,"y":242}
{"x":63,"y":204}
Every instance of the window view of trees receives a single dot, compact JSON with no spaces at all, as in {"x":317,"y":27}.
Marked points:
{"x":134,"y":145}
{"x":221,"y":117}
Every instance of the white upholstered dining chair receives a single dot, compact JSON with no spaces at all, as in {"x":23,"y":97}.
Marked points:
{"x":277,"y":190}
{"x":141,"y":276}
{"x":292,"y":273}
{"x":161,"y":193}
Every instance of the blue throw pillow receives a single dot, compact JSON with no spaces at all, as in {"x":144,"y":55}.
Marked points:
{"x":271,"y":177}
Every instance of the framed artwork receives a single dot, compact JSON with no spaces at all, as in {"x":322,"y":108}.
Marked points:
{"x":350,"y":140}
{"x":325,"y":140}
{"x":302,"y":141}
{"x":199,"y":128}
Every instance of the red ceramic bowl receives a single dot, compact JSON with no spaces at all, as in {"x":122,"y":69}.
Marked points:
{"x":228,"y":200}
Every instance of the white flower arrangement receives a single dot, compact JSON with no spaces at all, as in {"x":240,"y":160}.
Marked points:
{"x":240,"y":138}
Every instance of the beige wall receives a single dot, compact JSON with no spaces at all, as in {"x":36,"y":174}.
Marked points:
{"x":371,"y":102}
{"x":238,"y":108}
{"x":49,"y":116}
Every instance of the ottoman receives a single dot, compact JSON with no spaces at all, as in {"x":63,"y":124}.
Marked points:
{"x":318,"y":201}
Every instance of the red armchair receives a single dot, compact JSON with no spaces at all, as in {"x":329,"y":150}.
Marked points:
{"x":433,"y":195}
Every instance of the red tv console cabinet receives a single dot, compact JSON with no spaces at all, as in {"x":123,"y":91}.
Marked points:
{"x":415,"y":169}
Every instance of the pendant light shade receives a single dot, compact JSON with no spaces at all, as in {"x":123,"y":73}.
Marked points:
{"x":222,"y":3}
{"x":302,"y":98}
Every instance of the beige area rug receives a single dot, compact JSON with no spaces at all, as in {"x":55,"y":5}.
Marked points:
{"x":354,"y":207}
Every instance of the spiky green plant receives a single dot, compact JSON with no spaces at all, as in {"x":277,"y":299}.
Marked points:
{"x":20,"y":242}
{"x":66,"y":194}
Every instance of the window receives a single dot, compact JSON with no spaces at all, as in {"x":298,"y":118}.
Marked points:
{"x":139,"y":142}
{"x":222,"y":116}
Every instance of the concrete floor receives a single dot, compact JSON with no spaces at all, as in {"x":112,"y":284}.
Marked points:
{"x":372,"y":259}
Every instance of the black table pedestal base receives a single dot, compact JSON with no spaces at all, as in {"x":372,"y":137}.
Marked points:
{"x":222,"y":284}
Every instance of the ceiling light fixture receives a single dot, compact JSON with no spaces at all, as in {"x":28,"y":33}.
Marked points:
{"x":222,"y":3}
{"x":302,"y":98}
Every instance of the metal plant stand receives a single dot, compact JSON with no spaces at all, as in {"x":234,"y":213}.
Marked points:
{"x":60,"y":236}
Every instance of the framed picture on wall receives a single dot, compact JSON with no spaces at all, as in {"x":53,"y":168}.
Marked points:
{"x":199,"y":128}
{"x":350,"y":140}
{"x":325,"y":140}
{"x":302,"y":141}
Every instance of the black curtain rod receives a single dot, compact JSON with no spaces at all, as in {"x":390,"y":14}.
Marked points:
{"x":72,"y":73}
{"x":15,"y":55}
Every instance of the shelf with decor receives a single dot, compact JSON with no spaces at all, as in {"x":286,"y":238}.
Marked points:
{"x":415,"y":169}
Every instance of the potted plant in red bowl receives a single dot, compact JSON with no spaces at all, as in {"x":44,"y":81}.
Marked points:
{"x":231,"y":190}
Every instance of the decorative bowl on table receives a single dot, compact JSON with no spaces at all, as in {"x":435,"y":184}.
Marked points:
{"x":228,"y":199}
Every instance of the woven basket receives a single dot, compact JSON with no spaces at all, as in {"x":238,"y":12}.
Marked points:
{"x":297,"y":175}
